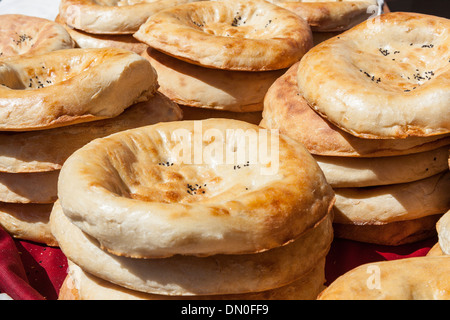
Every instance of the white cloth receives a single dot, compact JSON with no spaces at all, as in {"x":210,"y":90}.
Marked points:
{"x":47,"y":9}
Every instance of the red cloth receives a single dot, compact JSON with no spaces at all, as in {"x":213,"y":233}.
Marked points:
{"x":32,"y":271}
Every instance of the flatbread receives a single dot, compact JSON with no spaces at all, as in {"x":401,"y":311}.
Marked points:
{"x":47,"y":150}
{"x":285,"y":109}
{"x":386,"y":78}
{"x":197,"y":86}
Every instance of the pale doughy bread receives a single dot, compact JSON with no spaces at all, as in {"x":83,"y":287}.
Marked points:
{"x":23,"y":34}
{"x":390,"y":234}
{"x":435,"y":251}
{"x":79,"y":285}
{"x":38,"y":187}
{"x":285,"y":109}
{"x":194,"y":113}
{"x":204,"y":196}
{"x":111,"y":16}
{"x":71,"y":86}
{"x":330,"y":15}
{"x":196,"y":86}
{"x":385,"y":78}
{"x":185,"y":275}
{"x":231,"y":34}
{"x":398,"y":202}
{"x":86,"y":40}
{"x":46,"y":150}
{"x":344,"y":172}
{"x":28,"y":221}
{"x":419,"y":278}
{"x":443,"y":229}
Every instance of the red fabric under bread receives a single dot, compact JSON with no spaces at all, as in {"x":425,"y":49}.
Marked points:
{"x":32,"y":271}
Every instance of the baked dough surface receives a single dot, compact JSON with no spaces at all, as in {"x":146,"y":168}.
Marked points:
{"x":286,"y":109}
{"x":111,"y":16}
{"x":187,"y":275}
{"x":206,"y":88}
{"x":232,"y":34}
{"x":23,"y":34}
{"x":443,"y":229}
{"x":46,"y":150}
{"x":79,"y":285}
{"x":71,"y":86}
{"x":419,"y":278}
{"x":386,"y":78}
{"x":331,"y":15}
{"x":143,"y":193}
{"x":390,"y":203}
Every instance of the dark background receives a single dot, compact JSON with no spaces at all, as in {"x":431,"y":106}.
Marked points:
{"x":439,"y":8}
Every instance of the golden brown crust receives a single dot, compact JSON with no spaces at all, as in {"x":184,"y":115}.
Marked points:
{"x":111,"y":16}
{"x":378,"y":80}
{"x":27,"y":35}
{"x":350,"y":172}
{"x":232,"y":35}
{"x":286,"y":109}
{"x":325,"y":16}
{"x":71,"y":86}
{"x":79,"y":285}
{"x":185,"y":275}
{"x":391,"y":234}
{"x":390,"y":203}
{"x":28,"y":221}
{"x":40,"y":187}
{"x":419,"y":278}
{"x":46,"y":150}
{"x":237,"y":211}
{"x":197,"y":86}
{"x":86,"y":40}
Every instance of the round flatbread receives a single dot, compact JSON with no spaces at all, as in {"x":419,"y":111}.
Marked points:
{"x":111,"y":16}
{"x":26,"y":35}
{"x":385,"y":78}
{"x":79,"y":285}
{"x":326,"y":15}
{"x":40,"y":187}
{"x":197,"y":186}
{"x":350,"y":172}
{"x":70,"y":86}
{"x":398,"y":202}
{"x":85,"y":40}
{"x":285,"y":109}
{"x":185,"y":275}
{"x":196,"y":86}
{"x":46,"y":150}
{"x":232,"y":35}
{"x":28,"y":221}
{"x":419,"y":278}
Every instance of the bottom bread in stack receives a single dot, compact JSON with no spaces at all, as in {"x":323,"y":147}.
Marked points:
{"x":137,"y":221}
{"x":418,"y":278}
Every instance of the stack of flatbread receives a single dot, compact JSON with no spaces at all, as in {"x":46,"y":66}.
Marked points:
{"x":55,"y":99}
{"x":100,"y":24}
{"x":218,"y":58}
{"x":328,"y":18}
{"x":137,"y":220}
{"x":372,"y":106}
